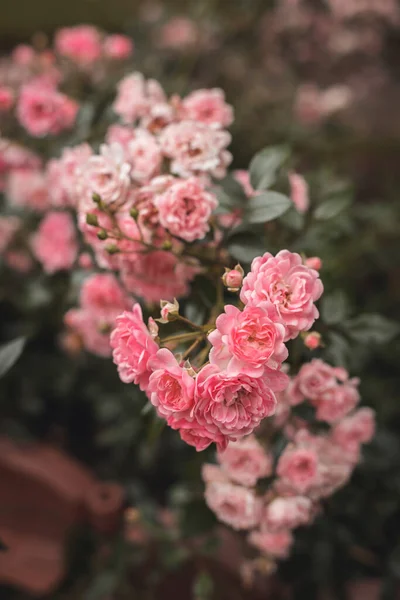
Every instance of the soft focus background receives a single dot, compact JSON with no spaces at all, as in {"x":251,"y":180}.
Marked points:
{"x":324,"y":76}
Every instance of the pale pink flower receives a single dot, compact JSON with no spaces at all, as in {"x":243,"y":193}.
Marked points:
{"x":144,"y":155}
{"x":234,"y":505}
{"x":276,"y":543}
{"x":133,"y":346}
{"x":299,"y":192}
{"x":62,"y":175}
{"x":336,"y":402}
{"x":118,"y":47}
{"x":208,"y":106}
{"x":246,"y":461}
{"x":313,"y":379}
{"x":287,"y":513}
{"x":106,"y":174}
{"x":289,"y":285}
{"x":8,"y":228}
{"x":242,"y":176}
{"x":194,"y":148}
{"x":233,"y":405}
{"x":136,"y":96}
{"x":6,"y":98}
{"x":248,"y":341}
{"x":54,"y":244}
{"x":298,"y":468}
{"x":23,"y":55}
{"x":185,"y":209}
{"x":13,"y":156}
{"x":171,"y":387}
{"x":358,"y":428}
{"x":27,"y":187}
{"x":211,"y":473}
{"x":178,"y":33}
{"x":157,"y":274}
{"x":196,"y":435}
{"x":42,"y":110}
{"x":167,"y":309}
{"x":81,"y":44}
{"x":85,"y":261}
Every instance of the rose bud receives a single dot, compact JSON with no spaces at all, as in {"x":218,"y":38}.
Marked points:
{"x":312,"y":340}
{"x":314,"y":262}
{"x":233,"y":278}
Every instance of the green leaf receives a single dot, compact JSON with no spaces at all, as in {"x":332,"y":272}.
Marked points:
{"x":203,"y":587}
{"x":246,"y":246}
{"x":10,"y":353}
{"x":267,"y":207}
{"x":230,"y":194}
{"x":334,"y":307}
{"x":372,"y":329}
{"x":264,"y":166}
{"x":331,"y":208}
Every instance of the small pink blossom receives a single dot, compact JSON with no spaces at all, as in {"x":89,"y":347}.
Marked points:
{"x":194,"y":148}
{"x":167,"y":309}
{"x":144,"y":155}
{"x":312,"y":381}
{"x":314,"y":262}
{"x":277,"y":544}
{"x":246,"y":461}
{"x":212,"y":473}
{"x":133,"y":346}
{"x":233,"y":278}
{"x":248,"y":341}
{"x":106,"y":174}
{"x":233,"y":505}
{"x":171,"y":387}
{"x":42,"y":110}
{"x":118,"y":47}
{"x":298,"y":467}
{"x":312,"y":340}
{"x":336,"y":402}
{"x":232,"y":405}
{"x":358,"y":428}
{"x":27,"y":187}
{"x":81,"y":44}
{"x":289,"y":285}
{"x":299,"y":192}
{"x":287,"y":513}
{"x":54,"y":244}
{"x":6,"y":98}
{"x":209,"y":107}
{"x":136,"y":96}
{"x":185,"y":209}
{"x":243,"y":177}
{"x":178,"y":33}
{"x":157,"y":274}
{"x":62,"y":175}
{"x":23,"y":55}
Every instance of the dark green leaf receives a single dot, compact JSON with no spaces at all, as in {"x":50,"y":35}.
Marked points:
{"x":9,"y":354}
{"x":331,"y":208}
{"x":246,"y":246}
{"x":334,"y":307}
{"x":372,"y":328}
{"x":264,"y":166}
{"x":267,"y":207}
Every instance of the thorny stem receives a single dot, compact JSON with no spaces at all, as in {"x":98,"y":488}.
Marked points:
{"x":183,"y":337}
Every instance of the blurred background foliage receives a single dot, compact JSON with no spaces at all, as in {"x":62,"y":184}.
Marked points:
{"x":79,"y":404}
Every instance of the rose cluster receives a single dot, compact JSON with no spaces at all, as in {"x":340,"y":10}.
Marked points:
{"x":312,"y":466}
{"x":229,"y":396}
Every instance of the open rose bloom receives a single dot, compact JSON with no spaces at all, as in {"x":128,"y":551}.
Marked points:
{"x":187,"y":280}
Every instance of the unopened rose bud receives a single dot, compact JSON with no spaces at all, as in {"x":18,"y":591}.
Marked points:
{"x":102,"y":234}
{"x":312,"y":340}
{"x":314,"y":262}
{"x":134,"y":213}
{"x":92,"y":219}
{"x":96,"y":198}
{"x":167,"y":245}
{"x":169,"y":311}
{"x":233,"y":278}
{"x":112,"y":249}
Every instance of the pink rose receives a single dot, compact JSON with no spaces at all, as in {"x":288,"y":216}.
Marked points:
{"x":6,"y":98}
{"x":155,"y":275}
{"x":27,"y":187}
{"x":212,"y":473}
{"x":289,"y":285}
{"x":178,"y":33}
{"x":287,"y":513}
{"x":234,"y":405}
{"x":246,"y":461}
{"x":136,"y":96}
{"x":337,"y":402}
{"x":233,"y":278}
{"x":233,"y":505}
{"x":82,"y":44}
{"x":54,"y":244}
{"x":62,"y":175}
{"x":312,"y":340}
{"x":314,"y":262}
{"x":171,"y":388}
{"x":185,"y":209}
{"x":194,"y":148}
{"x":358,"y":428}
{"x":144,"y":156}
{"x":298,"y":467}
{"x":248,"y":341}
{"x":276,"y":543}
{"x":299,"y":192}
{"x":133,"y":346}
{"x":42,"y":110}
{"x":118,"y":47}
{"x":313,"y":379}
{"x":195,"y":434}
{"x":107,"y":175}
{"x":209,"y":107}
